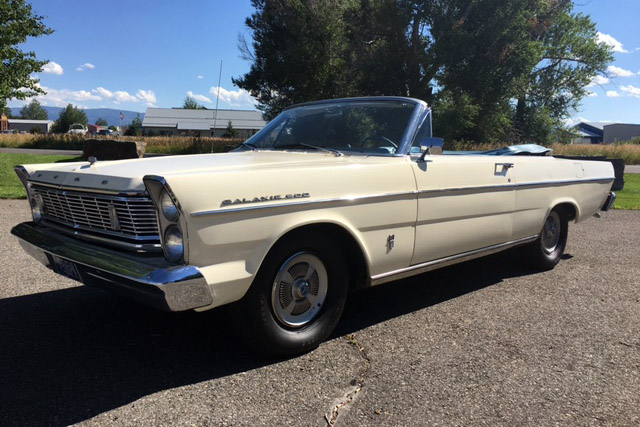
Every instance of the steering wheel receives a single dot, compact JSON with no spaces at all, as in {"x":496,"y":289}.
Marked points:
{"x":379,"y":140}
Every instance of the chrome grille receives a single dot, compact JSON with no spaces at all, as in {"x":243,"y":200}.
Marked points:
{"x":136,"y":216}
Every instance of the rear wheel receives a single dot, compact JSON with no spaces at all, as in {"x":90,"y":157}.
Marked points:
{"x":296,"y":298}
{"x":545,"y":252}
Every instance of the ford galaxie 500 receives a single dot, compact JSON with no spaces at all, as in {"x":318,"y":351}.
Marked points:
{"x":330,"y":196}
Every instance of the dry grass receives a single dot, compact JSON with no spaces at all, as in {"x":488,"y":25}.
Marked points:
{"x":630,"y":152}
{"x":155,"y":144}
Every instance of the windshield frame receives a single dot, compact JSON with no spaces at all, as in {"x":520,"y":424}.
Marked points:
{"x":420,"y":110}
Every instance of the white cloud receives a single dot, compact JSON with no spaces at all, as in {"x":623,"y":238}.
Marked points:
{"x":85,"y":66}
{"x":235,"y":98}
{"x":200,"y":76}
{"x":120,"y":96}
{"x":599,"y":81}
{"x":103,"y":92}
{"x":124,"y":96}
{"x":62,"y":97}
{"x":631,"y":90}
{"x":591,"y":94}
{"x":610,"y":41}
{"x":572,"y":121}
{"x":198,"y":97}
{"x":612,"y":94}
{"x":52,"y":68}
{"x":146,"y":95}
{"x":619,"y":72}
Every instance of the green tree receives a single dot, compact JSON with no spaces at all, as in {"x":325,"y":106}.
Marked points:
{"x":230,"y":132}
{"x":34,"y":111}
{"x":113,"y":128}
{"x":191,"y":104}
{"x":494,"y":70}
{"x":68,"y":116}
{"x":17,"y":22}
{"x":6,"y":111}
{"x":101,"y":122}
{"x":135,"y":128}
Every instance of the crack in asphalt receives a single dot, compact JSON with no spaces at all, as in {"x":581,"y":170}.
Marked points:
{"x":332,"y":416}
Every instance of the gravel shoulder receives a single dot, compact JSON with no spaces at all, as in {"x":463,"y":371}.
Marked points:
{"x":483,"y":343}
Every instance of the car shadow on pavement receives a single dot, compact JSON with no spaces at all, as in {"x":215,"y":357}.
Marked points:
{"x":69,"y":355}
{"x":394,"y":299}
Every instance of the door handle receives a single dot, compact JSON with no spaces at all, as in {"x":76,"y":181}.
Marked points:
{"x":502,"y":168}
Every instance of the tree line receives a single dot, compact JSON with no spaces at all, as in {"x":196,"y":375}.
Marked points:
{"x":493,"y":70}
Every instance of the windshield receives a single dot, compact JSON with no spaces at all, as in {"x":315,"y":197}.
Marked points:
{"x":369,"y":127}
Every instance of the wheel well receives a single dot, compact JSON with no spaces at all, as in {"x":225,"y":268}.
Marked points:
{"x":568,"y":209}
{"x":356,"y":264}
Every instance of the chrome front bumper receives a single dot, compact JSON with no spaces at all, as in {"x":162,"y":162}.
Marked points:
{"x":148,"y":279}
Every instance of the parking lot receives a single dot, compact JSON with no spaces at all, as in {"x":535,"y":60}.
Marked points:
{"x":482,"y":343}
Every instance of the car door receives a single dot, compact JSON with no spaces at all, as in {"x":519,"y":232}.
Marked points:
{"x":465,"y":203}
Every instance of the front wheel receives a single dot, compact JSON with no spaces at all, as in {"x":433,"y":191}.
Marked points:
{"x":296,"y":298}
{"x":545,"y":252}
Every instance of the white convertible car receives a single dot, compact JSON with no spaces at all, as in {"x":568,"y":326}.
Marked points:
{"x":330,"y":196}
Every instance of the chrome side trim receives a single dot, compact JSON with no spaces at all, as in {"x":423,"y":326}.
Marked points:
{"x":565,"y":182}
{"x":354,"y":200}
{"x":393,"y":196}
{"x":507,"y":187}
{"x":379,"y":279}
{"x":483,"y":189}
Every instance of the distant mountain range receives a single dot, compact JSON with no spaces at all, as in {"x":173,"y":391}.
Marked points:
{"x":111,"y":115}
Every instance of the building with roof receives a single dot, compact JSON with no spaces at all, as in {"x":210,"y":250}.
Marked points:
{"x":24,"y":125}
{"x":617,"y":132}
{"x":588,"y":133}
{"x":180,"y":121}
{"x":604,"y":133}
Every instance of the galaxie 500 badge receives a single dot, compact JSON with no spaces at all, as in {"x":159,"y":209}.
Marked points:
{"x":273,"y":198}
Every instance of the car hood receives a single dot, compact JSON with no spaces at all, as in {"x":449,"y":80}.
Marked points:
{"x":126,"y":175}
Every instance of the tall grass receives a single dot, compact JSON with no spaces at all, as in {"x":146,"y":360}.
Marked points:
{"x":155,"y":144}
{"x":629,"y":152}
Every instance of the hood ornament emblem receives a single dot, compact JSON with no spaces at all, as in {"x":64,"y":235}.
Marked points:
{"x":92,"y":160}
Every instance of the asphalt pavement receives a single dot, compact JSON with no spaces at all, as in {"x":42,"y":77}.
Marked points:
{"x":482,"y":343}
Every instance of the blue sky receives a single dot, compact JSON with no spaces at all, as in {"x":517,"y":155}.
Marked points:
{"x":131,"y":55}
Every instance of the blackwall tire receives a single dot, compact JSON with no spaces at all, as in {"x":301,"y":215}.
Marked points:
{"x":297,"y":297}
{"x":547,"y":250}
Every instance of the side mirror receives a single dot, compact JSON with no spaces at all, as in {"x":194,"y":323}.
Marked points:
{"x":430,"y":145}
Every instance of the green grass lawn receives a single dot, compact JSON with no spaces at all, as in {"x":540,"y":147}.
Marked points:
{"x":629,"y":197}
{"x":10,"y":185}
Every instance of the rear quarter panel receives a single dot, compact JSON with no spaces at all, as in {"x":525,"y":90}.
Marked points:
{"x":543,"y":183}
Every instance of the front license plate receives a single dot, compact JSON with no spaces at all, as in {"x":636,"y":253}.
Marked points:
{"x":66,"y":268}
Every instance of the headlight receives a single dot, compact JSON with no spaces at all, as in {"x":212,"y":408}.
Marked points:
{"x":169,"y":209}
{"x":173,"y":244}
{"x":37,"y":207}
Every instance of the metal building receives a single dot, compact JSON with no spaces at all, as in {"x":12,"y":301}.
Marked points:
{"x":619,"y":132}
{"x":589,"y":133}
{"x":180,"y":121}
{"x":23,"y":125}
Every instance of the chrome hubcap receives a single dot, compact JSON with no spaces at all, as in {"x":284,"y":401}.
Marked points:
{"x":299,"y":289}
{"x":551,"y":233}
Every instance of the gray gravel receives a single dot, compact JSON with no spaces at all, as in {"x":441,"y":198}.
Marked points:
{"x":483,"y":343}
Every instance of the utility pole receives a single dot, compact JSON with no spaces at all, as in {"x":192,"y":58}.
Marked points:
{"x":215,"y":115}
